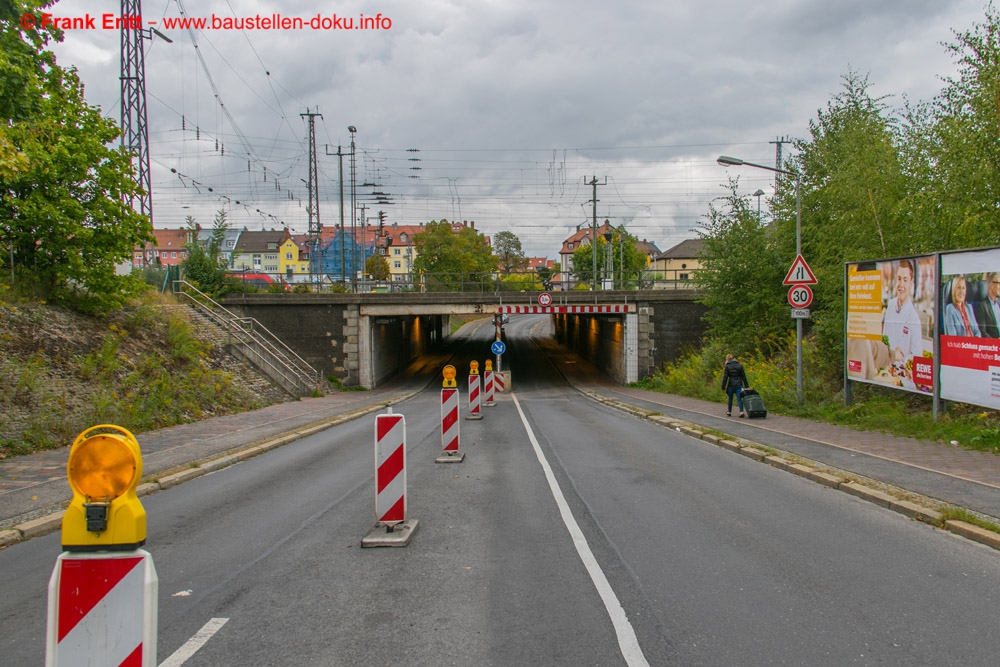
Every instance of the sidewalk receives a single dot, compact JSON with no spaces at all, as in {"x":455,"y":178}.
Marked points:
{"x":34,"y":487}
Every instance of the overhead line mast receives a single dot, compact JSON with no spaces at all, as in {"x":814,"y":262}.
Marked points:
{"x":135,"y":133}
{"x":315,"y":228}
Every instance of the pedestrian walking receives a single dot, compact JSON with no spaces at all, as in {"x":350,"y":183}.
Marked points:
{"x":734,"y":379}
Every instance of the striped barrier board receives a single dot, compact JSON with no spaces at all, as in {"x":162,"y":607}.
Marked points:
{"x":474,"y":398}
{"x":390,"y":469}
{"x":102,"y":610}
{"x":449,"y":427}
{"x":498,"y":383}
{"x":488,"y":389}
{"x":569,"y":310}
{"x":449,"y":420}
{"x":393,"y":529}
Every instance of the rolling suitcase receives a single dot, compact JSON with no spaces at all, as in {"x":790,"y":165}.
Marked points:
{"x":753,"y":404}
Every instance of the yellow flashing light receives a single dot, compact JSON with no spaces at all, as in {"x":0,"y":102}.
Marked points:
{"x":474,"y":368}
{"x":449,"y":377}
{"x":104,"y":470}
{"x":489,"y":365}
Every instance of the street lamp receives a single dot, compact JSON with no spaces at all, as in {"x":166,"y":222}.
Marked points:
{"x":727,"y":161}
{"x":758,"y":195}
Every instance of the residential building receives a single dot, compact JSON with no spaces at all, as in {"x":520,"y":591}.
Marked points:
{"x":167,"y":250}
{"x":581,"y":237}
{"x":396,"y":245}
{"x":260,"y":251}
{"x":679,"y":263}
{"x":229,"y":240}
{"x":291,"y":264}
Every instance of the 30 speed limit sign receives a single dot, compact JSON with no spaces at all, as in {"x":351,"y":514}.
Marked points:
{"x":800,"y":296}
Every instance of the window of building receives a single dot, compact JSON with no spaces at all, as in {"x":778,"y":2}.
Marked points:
{"x":685,"y":276}
{"x":288,"y":255}
{"x":397,"y":265}
{"x":395,"y":251}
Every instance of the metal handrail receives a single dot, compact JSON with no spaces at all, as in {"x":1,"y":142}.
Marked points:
{"x":249,"y":328}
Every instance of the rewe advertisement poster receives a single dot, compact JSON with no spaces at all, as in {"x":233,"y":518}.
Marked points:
{"x":891,"y":311}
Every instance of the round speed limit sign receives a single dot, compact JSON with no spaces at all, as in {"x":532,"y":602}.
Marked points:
{"x":544,"y":299}
{"x":800,"y":296}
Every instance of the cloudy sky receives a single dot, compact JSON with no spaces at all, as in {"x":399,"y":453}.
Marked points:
{"x":500,"y":112}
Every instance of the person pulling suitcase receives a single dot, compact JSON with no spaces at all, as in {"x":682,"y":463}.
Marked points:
{"x":734,"y":379}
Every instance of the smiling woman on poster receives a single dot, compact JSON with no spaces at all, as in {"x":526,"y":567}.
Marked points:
{"x":959,"y":320}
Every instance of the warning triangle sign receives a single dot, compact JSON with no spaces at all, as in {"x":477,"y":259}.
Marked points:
{"x":800,"y":273}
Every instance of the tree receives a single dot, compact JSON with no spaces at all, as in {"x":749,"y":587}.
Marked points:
{"x":377,"y":267}
{"x":204,"y":265}
{"x":741,"y":273}
{"x":957,"y":135}
{"x":507,"y":248}
{"x":451,"y":258}
{"x":618,"y":260}
{"x":62,"y":189}
{"x":856,"y":195}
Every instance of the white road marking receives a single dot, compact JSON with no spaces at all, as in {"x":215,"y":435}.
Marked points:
{"x":192,"y":645}
{"x":627,"y":641}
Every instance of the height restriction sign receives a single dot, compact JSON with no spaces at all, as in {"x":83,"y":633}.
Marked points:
{"x":800,"y":273}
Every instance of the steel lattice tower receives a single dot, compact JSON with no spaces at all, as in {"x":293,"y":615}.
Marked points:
{"x":135,"y":134}
{"x":315,"y":228}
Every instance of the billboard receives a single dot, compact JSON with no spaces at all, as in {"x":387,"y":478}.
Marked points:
{"x":891,"y":315}
{"x":970,"y":339}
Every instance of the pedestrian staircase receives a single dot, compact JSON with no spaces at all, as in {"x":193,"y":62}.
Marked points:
{"x":248,"y":339}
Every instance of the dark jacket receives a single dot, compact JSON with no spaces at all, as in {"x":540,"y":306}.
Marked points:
{"x":733,"y":375}
{"x":988,"y":325}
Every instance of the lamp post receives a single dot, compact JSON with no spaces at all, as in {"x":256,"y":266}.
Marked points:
{"x":727,"y":161}
{"x":758,"y":195}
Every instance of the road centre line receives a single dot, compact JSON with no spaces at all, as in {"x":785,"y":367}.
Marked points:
{"x":627,"y":641}
{"x":200,"y":638}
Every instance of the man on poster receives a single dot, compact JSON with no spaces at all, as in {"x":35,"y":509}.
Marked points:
{"x":901,"y":326}
{"x":988,"y":310}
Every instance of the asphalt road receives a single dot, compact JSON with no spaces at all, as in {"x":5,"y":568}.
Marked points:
{"x":572,"y":534}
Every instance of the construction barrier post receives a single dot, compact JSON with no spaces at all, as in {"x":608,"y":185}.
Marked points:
{"x":474,"y":395}
{"x":102,"y":595}
{"x":449,"y":420}
{"x":488,"y":385}
{"x":102,"y":610}
{"x":393,"y":529}
{"x":499,"y":381}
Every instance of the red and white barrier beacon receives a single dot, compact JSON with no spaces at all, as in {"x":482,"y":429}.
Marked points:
{"x":488,"y":385}
{"x":449,"y":419}
{"x":393,"y":528}
{"x":103,"y":590}
{"x":474,"y":392}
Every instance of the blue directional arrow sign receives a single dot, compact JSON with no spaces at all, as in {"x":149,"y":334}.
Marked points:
{"x":498,"y":347}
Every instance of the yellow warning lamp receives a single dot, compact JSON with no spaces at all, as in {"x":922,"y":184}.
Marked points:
{"x":449,"y":377}
{"x":474,"y":368}
{"x":489,"y":365}
{"x":104,"y":470}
